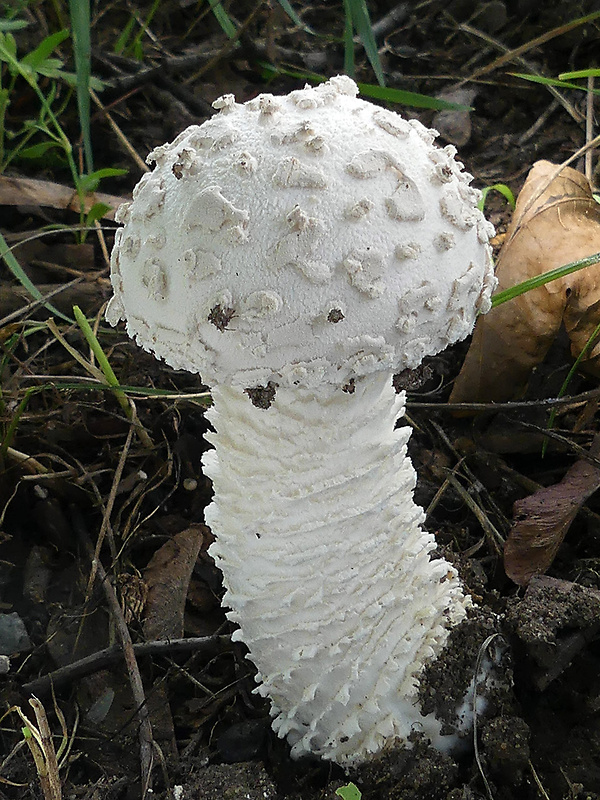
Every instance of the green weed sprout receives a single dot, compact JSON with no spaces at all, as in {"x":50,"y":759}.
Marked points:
{"x":497,"y":187}
{"x":41,"y":62}
{"x":349,"y":792}
{"x":106,"y":374}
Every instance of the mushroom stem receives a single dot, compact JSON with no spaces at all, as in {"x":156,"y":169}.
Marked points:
{"x":328,"y":572}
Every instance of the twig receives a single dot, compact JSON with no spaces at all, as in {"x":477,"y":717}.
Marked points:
{"x":49,"y":779}
{"x":538,"y":782}
{"x":589,"y":126}
{"x":228,"y":46}
{"x":548,"y":402}
{"x":473,"y":481}
{"x":209,"y":645}
{"x":389,"y":21}
{"x":34,"y":192}
{"x":37,"y":303}
{"x":119,"y":133}
{"x":539,"y":123}
{"x":80,"y":291}
{"x":31,"y":464}
{"x":515,"y":55}
{"x":580,"y":452}
{"x":133,"y":670}
{"x":492,"y":533}
{"x":169,"y":65}
{"x":530,"y":45}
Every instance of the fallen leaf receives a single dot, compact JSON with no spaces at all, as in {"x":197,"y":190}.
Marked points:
{"x":167,"y":577}
{"x":543,"y":519}
{"x":556,"y":222}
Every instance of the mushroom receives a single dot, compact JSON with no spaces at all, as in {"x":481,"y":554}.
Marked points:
{"x":297,"y":251}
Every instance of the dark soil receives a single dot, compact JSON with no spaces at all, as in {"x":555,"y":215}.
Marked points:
{"x":75,"y":477}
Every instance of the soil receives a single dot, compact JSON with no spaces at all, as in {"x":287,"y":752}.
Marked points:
{"x":80,"y":493}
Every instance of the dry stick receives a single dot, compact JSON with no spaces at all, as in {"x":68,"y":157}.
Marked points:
{"x":515,"y":55}
{"x":589,"y":126}
{"x":209,"y":645}
{"x":492,"y":534}
{"x":227,"y":48}
{"x":538,"y":782}
{"x":119,"y":133}
{"x":102,"y":241}
{"x":38,"y":303}
{"x":29,"y":463}
{"x":481,"y":490}
{"x":133,"y":670}
{"x":62,"y":269}
{"x":34,"y":192}
{"x":524,"y":48}
{"x":539,"y":123}
{"x":105,"y":528}
{"x":50,"y":780}
{"x":580,"y":452}
{"x":511,"y":405}
{"x":127,"y":82}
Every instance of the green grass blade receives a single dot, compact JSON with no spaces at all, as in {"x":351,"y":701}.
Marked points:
{"x":581,"y":73}
{"x":362,"y":24}
{"x":545,"y":277}
{"x":406,"y":98}
{"x":223,"y":19}
{"x":80,"y":22}
{"x":11,"y":428}
{"x":99,"y":354}
{"x":108,"y":372}
{"x":399,"y":96}
{"x":12,"y":24}
{"x":136,"y":45}
{"x":21,"y":276}
{"x":287,"y":7}
{"x":552,"y":82}
{"x":123,"y":38}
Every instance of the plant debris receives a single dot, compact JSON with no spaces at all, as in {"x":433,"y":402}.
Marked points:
{"x":556,"y":222}
{"x":541,"y":521}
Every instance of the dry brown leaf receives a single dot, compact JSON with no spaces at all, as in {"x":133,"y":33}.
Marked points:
{"x":543,"y":519}
{"x":556,"y":221}
{"x":168,"y":576}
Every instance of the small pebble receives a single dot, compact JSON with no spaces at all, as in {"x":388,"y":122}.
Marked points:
{"x":13,"y":634}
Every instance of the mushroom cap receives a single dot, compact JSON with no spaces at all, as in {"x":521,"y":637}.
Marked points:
{"x":300,"y":239}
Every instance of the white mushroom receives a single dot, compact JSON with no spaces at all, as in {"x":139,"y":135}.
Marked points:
{"x":311,"y":246}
